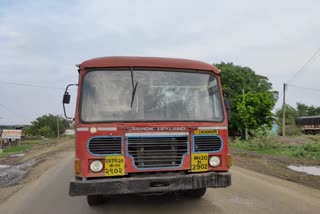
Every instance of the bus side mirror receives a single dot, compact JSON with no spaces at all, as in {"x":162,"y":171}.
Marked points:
{"x":66,"y":98}
{"x":227,"y":104}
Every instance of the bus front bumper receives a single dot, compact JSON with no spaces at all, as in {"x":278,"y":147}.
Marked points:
{"x":127,"y":185}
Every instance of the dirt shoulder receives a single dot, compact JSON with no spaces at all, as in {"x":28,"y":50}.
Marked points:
{"x":276,"y":166}
{"x":34,"y":163}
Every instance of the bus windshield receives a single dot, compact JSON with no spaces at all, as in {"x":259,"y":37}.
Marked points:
{"x":150,"y":95}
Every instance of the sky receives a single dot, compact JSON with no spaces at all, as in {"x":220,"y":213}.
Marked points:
{"x":42,"y":41}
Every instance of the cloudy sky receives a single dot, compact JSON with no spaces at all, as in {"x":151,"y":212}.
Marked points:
{"x":41,"y":41}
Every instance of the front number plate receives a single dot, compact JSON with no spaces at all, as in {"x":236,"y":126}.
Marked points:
{"x":114,"y":166}
{"x":206,"y":132}
{"x":199,"y":162}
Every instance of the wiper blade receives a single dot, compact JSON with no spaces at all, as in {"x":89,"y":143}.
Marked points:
{"x":134,"y":87}
{"x":133,"y":93}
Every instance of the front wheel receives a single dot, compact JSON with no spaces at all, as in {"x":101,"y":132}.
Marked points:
{"x":95,"y":200}
{"x":195,"y":193}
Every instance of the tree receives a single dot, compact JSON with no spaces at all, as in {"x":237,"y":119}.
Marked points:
{"x":235,"y":78}
{"x":291,"y":115}
{"x":253,"y":108}
{"x":46,"y":131}
{"x":304,"y":110}
{"x":47,"y":125}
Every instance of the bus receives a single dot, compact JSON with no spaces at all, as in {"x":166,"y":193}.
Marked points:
{"x":149,"y":125}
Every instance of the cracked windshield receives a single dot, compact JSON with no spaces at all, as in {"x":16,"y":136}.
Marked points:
{"x":159,"y":96}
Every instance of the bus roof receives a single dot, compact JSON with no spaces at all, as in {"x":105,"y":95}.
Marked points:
{"x":152,"y":62}
{"x":308,"y":117}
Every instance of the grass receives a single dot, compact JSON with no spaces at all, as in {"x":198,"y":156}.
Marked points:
{"x":15,"y":149}
{"x":32,"y":142}
{"x":309,"y":149}
{"x":27,"y":145}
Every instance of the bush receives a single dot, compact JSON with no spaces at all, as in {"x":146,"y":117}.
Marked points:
{"x":311,"y":147}
{"x":293,"y":130}
{"x":269,"y":145}
{"x":47,"y":125}
{"x":46,"y":131}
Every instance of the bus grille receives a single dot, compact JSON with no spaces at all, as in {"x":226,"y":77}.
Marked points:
{"x":105,"y":145}
{"x":157,"y":152}
{"x":207,"y":143}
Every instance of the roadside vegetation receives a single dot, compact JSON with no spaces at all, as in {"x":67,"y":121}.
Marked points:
{"x":14,"y":150}
{"x":251,"y":95}
{"x":25,"y":145}
{"x":252,"y":100}
{"x":304,"y":146}
{"x":48,"y":126}
{"x":293,"y":113}
{"x":28,"y":144}
{"x":43,"y":130}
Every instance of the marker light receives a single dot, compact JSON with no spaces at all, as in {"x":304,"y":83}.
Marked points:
{"x":214,"y":161}
{"x":229,"y":160}
{"x":96,"y":166}
{"x":77,"y":168}
{"x":93,"y":130}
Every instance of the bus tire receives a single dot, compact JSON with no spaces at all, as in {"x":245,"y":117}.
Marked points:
{"x":95,"y":200}
{"x":195,"y":193}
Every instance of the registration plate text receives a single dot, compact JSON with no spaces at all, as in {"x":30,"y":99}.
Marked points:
{"x":114,"y":165}
{"x":199,"y":162}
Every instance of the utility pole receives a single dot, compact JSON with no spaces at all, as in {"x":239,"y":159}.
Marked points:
{"x":58,"y":126}
{"x":246,"y":137}
{"x":284,"y":110}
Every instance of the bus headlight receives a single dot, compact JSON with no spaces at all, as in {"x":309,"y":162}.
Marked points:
{"x":96,"y":166}
{"x":214,"y":161}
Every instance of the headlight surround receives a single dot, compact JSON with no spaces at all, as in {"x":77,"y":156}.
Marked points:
{"x":96,"y":166}
{"x":214,"y":161}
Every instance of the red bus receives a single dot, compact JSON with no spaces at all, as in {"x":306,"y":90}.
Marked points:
{"x":149,"y":125}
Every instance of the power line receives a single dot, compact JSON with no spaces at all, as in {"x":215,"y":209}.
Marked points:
{"x":5,"y":107}
{"x":30,"y":85}
{"x":311,"y":89}
{"x":305,"y":67}
{"x":10,"y":111}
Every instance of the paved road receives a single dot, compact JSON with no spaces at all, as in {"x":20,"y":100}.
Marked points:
{"x":250,"y":193}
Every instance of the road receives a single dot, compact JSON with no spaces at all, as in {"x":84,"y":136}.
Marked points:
{"x":250,"y":193}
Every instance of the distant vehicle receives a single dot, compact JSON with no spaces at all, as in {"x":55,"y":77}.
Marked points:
{"x":309,"y":124}
{"x":149,"y":125}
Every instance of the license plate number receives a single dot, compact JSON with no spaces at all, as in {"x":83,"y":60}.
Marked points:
{"x":199,"y":162}
{"x":206,"y":132}
{"x":114,"y":166}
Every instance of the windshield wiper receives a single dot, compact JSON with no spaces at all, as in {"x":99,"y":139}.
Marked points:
{"x":134,"y":87}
